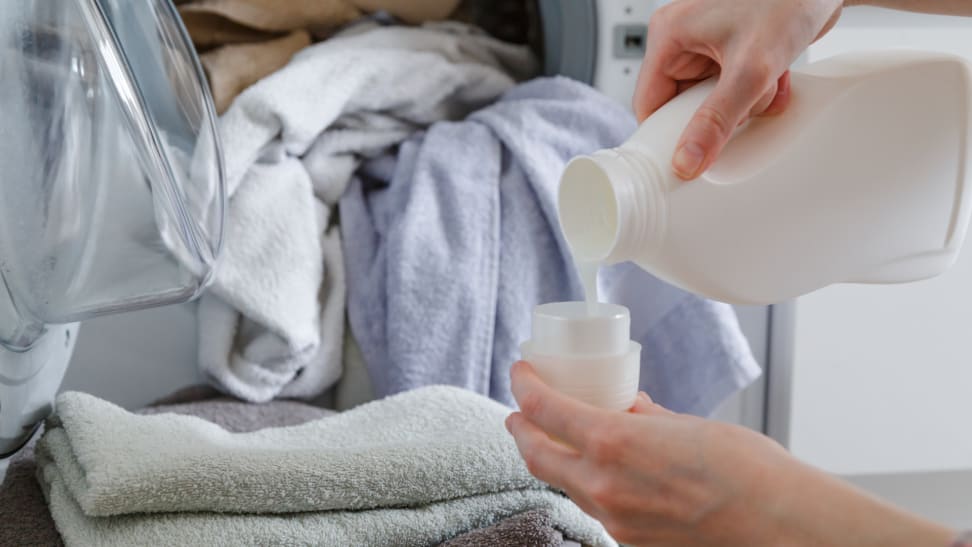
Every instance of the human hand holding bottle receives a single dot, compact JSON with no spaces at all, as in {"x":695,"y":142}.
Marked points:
{"x":749,"y":44}
{"x":654,"y":477}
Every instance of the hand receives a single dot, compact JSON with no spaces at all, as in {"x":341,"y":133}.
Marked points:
{"x":749,"y":44}
{"x":651,"y":476}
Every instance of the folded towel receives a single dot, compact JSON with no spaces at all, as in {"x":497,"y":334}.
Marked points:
{"x":26,"y":520}
{"x":415,"y":469}
{"x":451,"y":244}
{"x":24,"y":516}
{"x":272,"y":324}
{"x":531,"y":528}
{"x":245,"y":40}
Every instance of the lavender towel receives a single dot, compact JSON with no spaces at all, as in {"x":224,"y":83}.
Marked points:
{"x":451,"y":243}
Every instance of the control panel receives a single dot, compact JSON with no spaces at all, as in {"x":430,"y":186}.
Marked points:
{"x":622,"y":31}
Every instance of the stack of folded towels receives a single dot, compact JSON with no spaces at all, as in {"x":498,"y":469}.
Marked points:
{"x":419,"y":468}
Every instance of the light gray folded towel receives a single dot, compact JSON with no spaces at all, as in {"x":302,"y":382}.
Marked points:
{"x":24,"y":516}
{"x":272,"y":324}
{"x":415,"y":469}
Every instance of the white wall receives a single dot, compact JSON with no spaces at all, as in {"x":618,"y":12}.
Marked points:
{"x":882,"y":377}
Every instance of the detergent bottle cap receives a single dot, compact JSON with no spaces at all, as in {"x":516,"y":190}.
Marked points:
{"x":583,"y":350}
{"x":580,"y":328}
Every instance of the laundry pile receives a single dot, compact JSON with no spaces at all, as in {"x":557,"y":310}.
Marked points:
{"x":395,"y":173}
{"x":397,"y":178}
{"x":272,"y":323}
{"x":425,"y":467}
{"x":242,"y":41}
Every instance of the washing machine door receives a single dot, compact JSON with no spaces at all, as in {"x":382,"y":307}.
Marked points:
{"x":569,"y":31}
{"x":111,"y":178}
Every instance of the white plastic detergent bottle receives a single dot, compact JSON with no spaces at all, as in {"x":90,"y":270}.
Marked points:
{"x":864,"y":179}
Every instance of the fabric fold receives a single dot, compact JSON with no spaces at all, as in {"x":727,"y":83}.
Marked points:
{"x":415,"y":469}
{"x":531,"y":528}
{"x":272,"y":323}
{"x":243,"y":41}
{"x":233,"y":68}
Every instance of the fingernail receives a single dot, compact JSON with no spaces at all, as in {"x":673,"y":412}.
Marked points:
{"x":688,"y":159}
{"x":644,"y":396}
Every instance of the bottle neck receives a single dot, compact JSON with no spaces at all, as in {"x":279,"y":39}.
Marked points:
{"x":640,"y":201}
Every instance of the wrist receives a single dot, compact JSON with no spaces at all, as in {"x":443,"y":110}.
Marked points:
{"x":816,"y":508}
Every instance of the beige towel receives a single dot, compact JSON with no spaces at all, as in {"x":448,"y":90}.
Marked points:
{"x":233,"y":68}
{"x":244,"y":40}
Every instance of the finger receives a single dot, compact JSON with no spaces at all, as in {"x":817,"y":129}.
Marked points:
{"x":782,"y":99}
{"x":546,"y":459}
{"x":653,"y":88}
{"x":551,"y":411}
{"x":685,"y":85}
{"x":551,"y":462}
{"x":644,"y":405}
{"x":764,"y":102}
{"x":834,"y":17}
{"x":734,"y":96}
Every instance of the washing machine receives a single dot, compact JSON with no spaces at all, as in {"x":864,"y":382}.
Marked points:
{"x":136,"y":357}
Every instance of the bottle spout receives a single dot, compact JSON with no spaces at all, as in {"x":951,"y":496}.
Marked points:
{"x":612,"y":206}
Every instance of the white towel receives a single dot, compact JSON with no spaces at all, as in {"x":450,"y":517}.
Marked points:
{"x":414,"y":469}
{"x":272,"y":324}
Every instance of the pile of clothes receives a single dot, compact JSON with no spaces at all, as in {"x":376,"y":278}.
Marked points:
{"x":399,"y":178}
{"x":391,"y":178}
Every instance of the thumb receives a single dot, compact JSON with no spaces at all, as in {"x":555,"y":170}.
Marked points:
{"x":709,"y":130}
{"x":644,"y":405}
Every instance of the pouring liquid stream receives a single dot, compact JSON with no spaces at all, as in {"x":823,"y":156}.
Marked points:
{"x":588,"y":275}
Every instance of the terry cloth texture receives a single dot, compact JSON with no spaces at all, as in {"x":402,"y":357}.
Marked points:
{"x":415,"y":469}
{"x":272,"y":323}
{"x":530,"y":528}
{"x":451,"y":242}
{"x":24,"y":516}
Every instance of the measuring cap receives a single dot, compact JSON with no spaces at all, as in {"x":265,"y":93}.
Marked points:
{"x":584,"y":351}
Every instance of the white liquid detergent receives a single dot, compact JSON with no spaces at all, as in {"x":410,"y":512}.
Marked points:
{"x":583,"y":350}
{"x":588,"y":275}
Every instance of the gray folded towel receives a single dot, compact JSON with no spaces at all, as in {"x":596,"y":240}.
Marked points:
{"x":415,"y":469}
{"x":24,"y":516}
